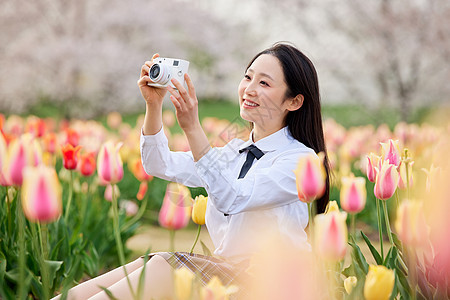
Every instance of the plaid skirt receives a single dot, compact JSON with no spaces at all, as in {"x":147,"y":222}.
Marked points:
{"x":207,"y":266}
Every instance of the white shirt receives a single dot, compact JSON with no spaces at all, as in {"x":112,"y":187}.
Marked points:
{"x":240,"y":212}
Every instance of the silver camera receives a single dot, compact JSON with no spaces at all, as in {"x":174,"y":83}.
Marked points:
{"x":164,"y":69}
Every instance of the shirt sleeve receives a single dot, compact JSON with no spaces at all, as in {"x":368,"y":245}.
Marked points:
{"x":263,"y":189}
{"x":159,"y":161}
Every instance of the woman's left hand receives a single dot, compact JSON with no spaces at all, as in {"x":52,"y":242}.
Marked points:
{"x":186,"y":104}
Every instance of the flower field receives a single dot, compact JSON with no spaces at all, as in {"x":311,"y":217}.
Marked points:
{"x":72,"y":194}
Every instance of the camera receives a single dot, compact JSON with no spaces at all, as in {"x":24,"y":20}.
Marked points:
{"x":164,"y":69}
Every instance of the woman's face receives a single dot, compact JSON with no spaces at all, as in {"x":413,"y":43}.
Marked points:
{"x":262,"y":93}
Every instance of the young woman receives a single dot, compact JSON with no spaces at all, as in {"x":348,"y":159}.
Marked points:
{"x":250,"y":184}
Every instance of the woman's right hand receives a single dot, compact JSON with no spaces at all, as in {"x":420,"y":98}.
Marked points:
{"x":151,"y":94}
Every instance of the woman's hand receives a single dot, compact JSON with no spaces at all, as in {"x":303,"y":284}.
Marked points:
{"x":186,"y":104}
{"x":151,"y":94}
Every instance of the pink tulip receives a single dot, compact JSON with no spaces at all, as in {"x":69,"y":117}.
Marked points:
{"x":41,"y":194}
{"x":109,"y":192}
{"x":22,"y":152}
{"x":310,"y":177}
{"x":353,"y":194}
{"x":391,"y":152}
{"x":330,"y":235}
{"x":403,"y":181}
{"x":386,"y":181}
{"x":373,"y":161}
{"x":176,"y":209}
{"x":109,"y":163}
{"x":410,"y":224}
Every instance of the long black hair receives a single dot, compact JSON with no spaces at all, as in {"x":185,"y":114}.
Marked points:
{"x":305,"y":123}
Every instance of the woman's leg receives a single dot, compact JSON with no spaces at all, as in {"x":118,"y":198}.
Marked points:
{"x":91,"y":287}
{"x":158,"y":282}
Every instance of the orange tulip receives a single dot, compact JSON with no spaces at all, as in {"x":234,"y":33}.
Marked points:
{"x":87,"y":164}
{"x":373,"y":161}
{"x":176,"y":209}
{"x":391,"y":152}
{"x":410,"y":224}
{"x":70,"y":156}
{"x":109,"y":163}
{"x":386,"y":181}
{"x":41,"y":196}
{"x":353,"y":194}
{"x":330,"y":234}
{"x":310,"y":177}
{"x":143,"y":187}
{"x":138,"y":171}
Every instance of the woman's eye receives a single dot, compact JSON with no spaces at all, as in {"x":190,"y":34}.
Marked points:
{"x":264,"y":83}
{"x":247,"y":77}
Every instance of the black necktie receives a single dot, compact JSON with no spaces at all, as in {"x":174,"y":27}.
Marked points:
{"x":253,"y":152}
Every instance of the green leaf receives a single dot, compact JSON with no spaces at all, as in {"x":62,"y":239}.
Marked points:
{"x":206,"y":251}
{"x":109,"y":294}
{"x":358,"y":257}
{"x":53,"y":266}
{"x":390,"y":260}
{"x":141,"y":283}
{"x":372,"y":249}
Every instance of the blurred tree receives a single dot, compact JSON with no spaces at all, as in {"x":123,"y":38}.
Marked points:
{"x":85,"y":56}
{"x":388,"y":51}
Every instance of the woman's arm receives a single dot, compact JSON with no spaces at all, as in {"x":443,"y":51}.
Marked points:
{"x":186,"y":105}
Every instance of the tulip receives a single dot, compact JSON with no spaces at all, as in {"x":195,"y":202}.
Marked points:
{"x":70,"y":156}
{"x":386,"y":181}
{"x":109,"y":192}
{"x":72,"y":137}
{"x":353,"y":194}
{"x":215,"y":290}
{"x":330,"y":235}
{"x":379,"y":283}
{"x":49,"y":141}
{"x":432,"y":174}
{"x":349,"y":283}
{"x":142,"y":190}
{"x":3,"y":157}
{"x":130,"y":207}
{"x":199,"y":209}
{"x":176,"y":208}
{"x":410,"y":224}
{"x":310,"y":177}
{"x":183,"y":280}
{"x":109,"y":163}
{"x":405,"y":170}
{"x":36,"y":127}
{"x":41,"y":196}
{"x":87,"y":164}
{"x":373,"y":161}
{"x":332,"y":206}
{"x":138,"y":171}
{"x":391,"y":152}
{"x":22,"y":152}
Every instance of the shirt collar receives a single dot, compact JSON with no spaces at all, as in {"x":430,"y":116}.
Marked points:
{"x":270,"y":142}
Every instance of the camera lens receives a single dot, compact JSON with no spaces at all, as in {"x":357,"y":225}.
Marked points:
{"x":154,"y":71}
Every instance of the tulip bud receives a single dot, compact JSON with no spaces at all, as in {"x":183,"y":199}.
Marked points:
{"x":391,"y":152}
{"x":215,"y":290}
{"x":410,"y":224}
{"x":386,"y":181}
{"x":199,"y":209}
{"x":353,"y":194}
{"x":109,"y":163}
{"x":130,"y":207}
{"x":373,"y":161}
{"x":310,"y":177}
{"x":330,"y":235}
{"x":176,"y":208}
{"x":349,"y":283}
{"x":331,"y":207}
{"x":109,"y":192}
{"x":379,"y":283}
{"x":41,"y":194}
{"x":70,"y":156}
{"x":142,"y":190}
{"x":87,"y":164}
{"x":183,"y":280}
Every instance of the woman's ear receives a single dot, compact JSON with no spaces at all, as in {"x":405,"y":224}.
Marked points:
{"x":296,"y":102}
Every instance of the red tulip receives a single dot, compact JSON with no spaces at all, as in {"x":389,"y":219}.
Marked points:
{"x":70,"y":156}
{"x":87,"y":164}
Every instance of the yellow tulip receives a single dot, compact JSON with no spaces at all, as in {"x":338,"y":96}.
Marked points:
{"x":215,"y":290}
{"x":349,"y":283}
{"x":379,"y":283}
{"x":199,"y":209}
{"x":183,"y":279}
{"x":331,"y":207}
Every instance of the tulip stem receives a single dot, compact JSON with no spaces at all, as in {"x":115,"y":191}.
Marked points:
{"x":196,"y":238}
{"x":22,"y":250}
{"x":353,"y":227}
{"x":69,"y":201}
{"x":8,"y":203}
{"x":311,"y":219}
{"x":412,"y":268}
{"x":40,"y":247}
{"x":380,"y":228}
{"x":137,"y":216}
{"x":118,"y":239}
{"x":388,"y":226}
{"x":172,"y":240}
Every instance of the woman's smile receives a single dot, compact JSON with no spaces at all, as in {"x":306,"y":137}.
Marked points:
{"x":248,"y":104}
